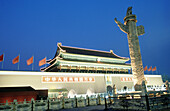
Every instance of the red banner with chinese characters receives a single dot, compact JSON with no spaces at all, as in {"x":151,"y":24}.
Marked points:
{"x":51,"y":79}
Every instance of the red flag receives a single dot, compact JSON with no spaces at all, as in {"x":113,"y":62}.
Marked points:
{"x":145,"y":68}
{"x":30,"y":60}
{"x":150,"y":68}
{"x":154,"y":69}
{"x":42,"y":62}
{"x":2,"y":58}
{"x":15,"y":60}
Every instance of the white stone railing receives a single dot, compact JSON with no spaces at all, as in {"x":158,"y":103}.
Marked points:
{"x":52,"y":104}
{"x":142,"y":100}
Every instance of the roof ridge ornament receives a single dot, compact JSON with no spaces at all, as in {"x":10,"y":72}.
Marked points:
{"x":111,"y":51}
{"x":59,"y":44}
{"x":129,"y":11}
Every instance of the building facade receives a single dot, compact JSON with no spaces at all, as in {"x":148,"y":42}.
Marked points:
{"x":75,"y":71}
{"x":72,"y":84}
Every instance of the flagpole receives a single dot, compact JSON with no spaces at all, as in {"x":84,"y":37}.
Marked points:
{"x":156,"y":71}
{"x":18,"y":62}
{"x":33,"y":63}
{"x":146,"y":70}
{"x":45,"y":61}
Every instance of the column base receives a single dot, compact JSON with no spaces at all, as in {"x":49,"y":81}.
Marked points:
{"x":138,"y":87}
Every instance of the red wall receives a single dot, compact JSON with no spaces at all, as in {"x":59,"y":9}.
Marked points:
{"x":19,"y":95}
{"x":42,"y":92}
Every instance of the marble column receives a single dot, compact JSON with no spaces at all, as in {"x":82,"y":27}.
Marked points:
{"x":133,"y":31}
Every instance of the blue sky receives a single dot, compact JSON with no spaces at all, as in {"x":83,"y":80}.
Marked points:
{"x":34,"y":27}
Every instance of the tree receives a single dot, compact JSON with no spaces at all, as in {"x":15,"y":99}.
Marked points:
{"x":165,"y":77}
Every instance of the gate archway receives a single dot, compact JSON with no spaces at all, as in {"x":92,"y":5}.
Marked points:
{"x":71,"y":93}
{"x":109,"y":89}
{"x":90,"y":92}
{"x":125,"y":88}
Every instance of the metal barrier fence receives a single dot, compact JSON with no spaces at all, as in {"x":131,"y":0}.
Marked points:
{"x":121,"y":102}
{"x":140,"y":103}
{"x":52,"y":104}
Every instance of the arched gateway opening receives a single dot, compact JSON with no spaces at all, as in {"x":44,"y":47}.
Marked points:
{"x":125,"y":88}
{"x":109,"y":89}
{"x":90,"y":92}
{"x":71,"y":93}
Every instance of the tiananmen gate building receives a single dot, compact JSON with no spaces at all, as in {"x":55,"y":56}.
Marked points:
{"x":75,"y":71}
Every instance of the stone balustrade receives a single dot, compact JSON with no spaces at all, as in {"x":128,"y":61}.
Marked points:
{"x":54,"y":104}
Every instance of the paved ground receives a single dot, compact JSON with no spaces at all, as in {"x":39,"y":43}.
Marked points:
{"x":89,"y":108}
{"x":98,"y":108}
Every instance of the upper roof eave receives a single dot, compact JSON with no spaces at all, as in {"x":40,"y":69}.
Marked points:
{"x":84,"y":51}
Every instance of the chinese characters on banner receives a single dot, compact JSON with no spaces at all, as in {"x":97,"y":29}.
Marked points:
{"x":126,"y":79}
{"x":130,"y":79}
{"x":50,"y":79}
